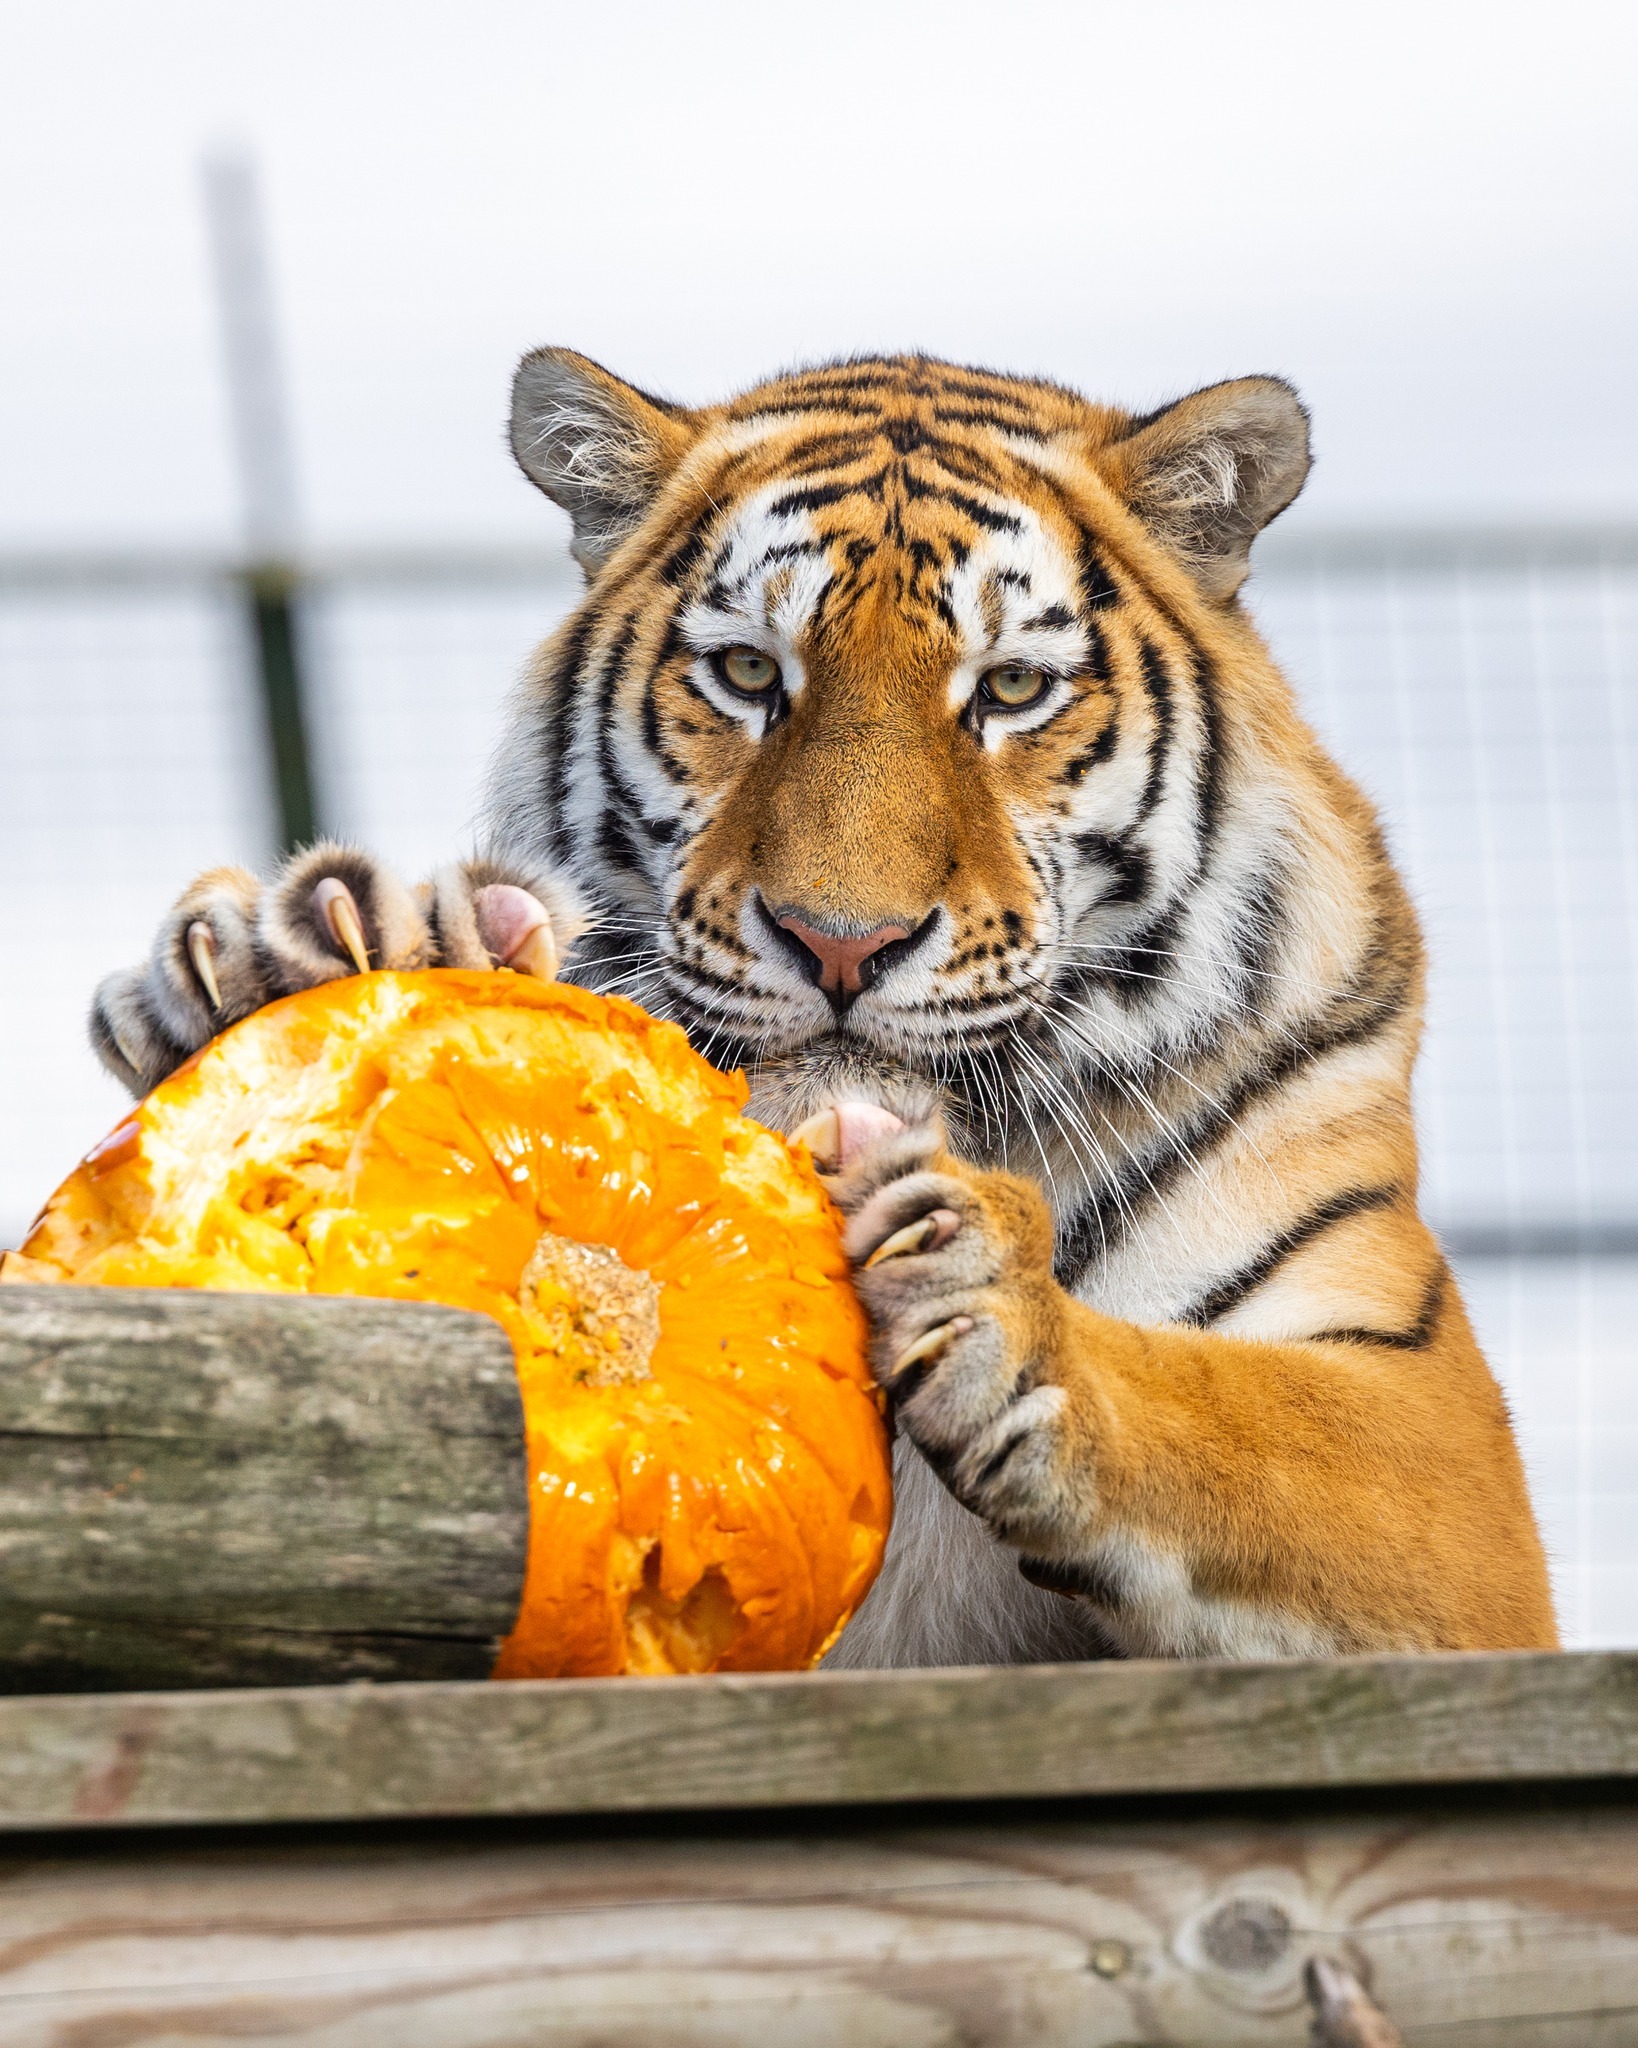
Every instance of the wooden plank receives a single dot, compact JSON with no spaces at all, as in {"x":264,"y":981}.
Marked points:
{"x":1484,"y":1930}
{"x":209,"y":1489}
{"x":622,"y":1745}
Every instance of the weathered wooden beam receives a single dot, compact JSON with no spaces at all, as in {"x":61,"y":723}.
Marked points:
{"x":814,"y":1739}
{"x":1474,"y":1929}
{"x":245,"y":1489}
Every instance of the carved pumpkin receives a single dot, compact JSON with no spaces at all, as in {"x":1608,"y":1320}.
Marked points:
{"x":708,"y":1464}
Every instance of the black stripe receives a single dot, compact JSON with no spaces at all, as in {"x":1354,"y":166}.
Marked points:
{"x":613,"y":835}
{"x":814,"y":497}
{"x":1097,"y":594}
{"x":982,"y":389}
{"x":1417,"y":1338}
{"x":1073,"y":1581}
{"x":964,"y":416}
{"x":682,"y":558}
{"x":1131,"y":970}
{"x":773,"y":408}
{"x":723,"y":595}
{"x":616,"y":845}
{"x":1130,"y":863}
{"x":994,"y":1465}
{"x":1228,"y":1294}
{"x":862,"y":373}
{"x":1261,"y":918}
{"x":1157,"y":685}
{"x":956,"y":460}
{"x":559,"y":734}
{"x":1101,"y":750}
{"x":1103,"y":1219}
{"x":1099,"y":591}
{"x":972,"y":508}
{"x":1209,"y":774}
{"x":827,"y":449}
{"x":670,"y":766}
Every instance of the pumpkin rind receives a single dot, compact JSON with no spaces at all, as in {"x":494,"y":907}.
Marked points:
{"x":722,"y":1505}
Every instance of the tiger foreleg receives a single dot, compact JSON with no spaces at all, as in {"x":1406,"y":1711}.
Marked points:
{"x":1210,"y":1495}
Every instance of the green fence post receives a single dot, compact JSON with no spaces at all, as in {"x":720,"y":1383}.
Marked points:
{"x":271,"y":593}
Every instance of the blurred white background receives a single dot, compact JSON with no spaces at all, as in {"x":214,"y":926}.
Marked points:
{"x":1423,"y":210}
{"x":1424,"y":214}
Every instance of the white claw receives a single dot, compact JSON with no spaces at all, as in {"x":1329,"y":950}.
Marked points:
{"x":926,"y":1234}
{"x":822,"y":1134}
{"x":333,"y":901}
{"x":933,"y":1345}
{"x":535,"y":953}
{"x":201,"y":944}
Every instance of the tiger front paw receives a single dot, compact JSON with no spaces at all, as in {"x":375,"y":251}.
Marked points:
{"x":231,"y":943}
{"x":954,"y":1267}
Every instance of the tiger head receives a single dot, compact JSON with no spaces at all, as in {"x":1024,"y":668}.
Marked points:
{"x":903,"y":699}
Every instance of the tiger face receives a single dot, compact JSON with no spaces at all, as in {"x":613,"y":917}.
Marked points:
{"x":896,"y":705}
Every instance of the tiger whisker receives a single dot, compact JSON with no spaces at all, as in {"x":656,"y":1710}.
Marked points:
{"x":1126,"y":1083}
{"x":1053,"y":1084}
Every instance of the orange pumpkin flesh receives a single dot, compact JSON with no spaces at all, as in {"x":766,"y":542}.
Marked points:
{"x":708,"y":1466}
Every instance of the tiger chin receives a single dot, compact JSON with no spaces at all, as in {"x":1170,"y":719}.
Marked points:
{"x":911,"y":746}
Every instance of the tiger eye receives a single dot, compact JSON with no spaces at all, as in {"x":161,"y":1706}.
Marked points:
{"x":1015,"y":686}
{"x":747,"y":669}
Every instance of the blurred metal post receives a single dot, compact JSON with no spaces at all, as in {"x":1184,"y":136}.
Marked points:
{"x":244,"y":297}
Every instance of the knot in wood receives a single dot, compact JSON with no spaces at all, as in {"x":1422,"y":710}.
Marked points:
{"x":1246,"y":1935}
{"x":584,"y":1302}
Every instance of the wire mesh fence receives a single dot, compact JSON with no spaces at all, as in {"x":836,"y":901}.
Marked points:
{"x":1483,"y":688}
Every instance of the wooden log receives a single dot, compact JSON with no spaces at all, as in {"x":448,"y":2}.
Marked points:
{"x":246,"y":1489}
{"x":574,"y":1746}
{"x":1514,"y":1928}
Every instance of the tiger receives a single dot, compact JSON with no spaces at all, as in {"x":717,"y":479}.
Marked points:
{"x":914,"y":748}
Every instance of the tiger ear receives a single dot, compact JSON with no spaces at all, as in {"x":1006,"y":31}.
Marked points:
{"x":1208,"y":473}
{"x":596,"y":446}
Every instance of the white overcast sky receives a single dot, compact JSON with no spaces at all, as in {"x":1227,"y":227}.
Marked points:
{"x":1422,"y":210}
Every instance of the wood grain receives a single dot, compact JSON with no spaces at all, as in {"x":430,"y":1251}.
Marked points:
{"x":239,"y":1489}
{"x":822,"y":1738}
{"x":1504,"y":1930}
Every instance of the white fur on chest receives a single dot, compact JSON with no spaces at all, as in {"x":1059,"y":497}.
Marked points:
{"x":949,"y":1593}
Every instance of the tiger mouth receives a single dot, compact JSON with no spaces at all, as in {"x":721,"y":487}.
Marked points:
{"x":756,"y":1027}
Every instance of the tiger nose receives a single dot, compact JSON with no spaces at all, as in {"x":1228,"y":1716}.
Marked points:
{"x":844,"y":965}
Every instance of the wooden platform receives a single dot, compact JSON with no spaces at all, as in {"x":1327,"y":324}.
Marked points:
{"x":1070,"y":1857}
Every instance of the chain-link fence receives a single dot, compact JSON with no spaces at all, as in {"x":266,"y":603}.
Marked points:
{"x":1484,"y":688}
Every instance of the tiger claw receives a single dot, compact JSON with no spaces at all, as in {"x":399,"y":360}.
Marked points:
{"x":836,"y":1134}
{"x":334,"y":903}
{"x":536,"y":954}
{"x":926,"y":1234}
{"x":515,"y":929}
{"x":201,"y":943}
{"x":928,"y":1348}
{"x":822,"y":1134}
